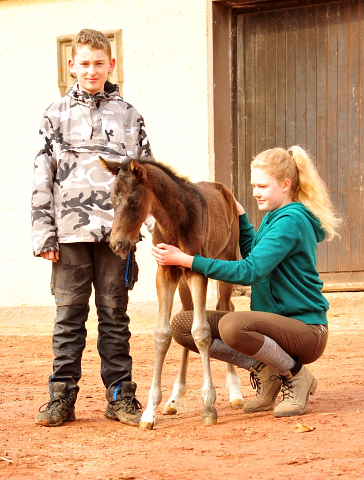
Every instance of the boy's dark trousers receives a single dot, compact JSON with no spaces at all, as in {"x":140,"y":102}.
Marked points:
{"x":80,"y":265}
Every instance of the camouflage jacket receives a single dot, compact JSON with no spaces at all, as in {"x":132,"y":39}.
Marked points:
{"x":71,"y":191}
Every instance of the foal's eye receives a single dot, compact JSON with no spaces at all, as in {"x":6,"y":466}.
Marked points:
{"x":133,"y":202}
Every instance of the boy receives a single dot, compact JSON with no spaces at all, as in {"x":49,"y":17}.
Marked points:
{"x":71,"y":222}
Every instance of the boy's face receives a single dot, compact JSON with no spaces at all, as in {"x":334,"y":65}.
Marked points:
{"x":91,"y":68}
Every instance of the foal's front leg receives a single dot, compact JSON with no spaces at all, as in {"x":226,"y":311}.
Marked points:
{"x":201,"y":334}
{"x":167,"y":281}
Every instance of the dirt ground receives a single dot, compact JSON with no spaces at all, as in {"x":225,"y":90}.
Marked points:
{"x":240,"y":446}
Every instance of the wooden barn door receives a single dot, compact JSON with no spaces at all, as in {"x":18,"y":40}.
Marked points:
{"x":299,"y":80}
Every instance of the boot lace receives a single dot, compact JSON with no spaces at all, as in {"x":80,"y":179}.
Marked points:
{"x":287,"y":388}
{"x":53,"y":400}
{"x":129,"y":404}
{"x":255,"y":382}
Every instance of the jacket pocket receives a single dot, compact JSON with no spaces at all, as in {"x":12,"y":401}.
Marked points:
{"x":262,"y":299}
{"x":95,"y":145}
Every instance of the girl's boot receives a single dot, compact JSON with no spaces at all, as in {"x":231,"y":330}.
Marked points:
{"x":267,"y":381}
{"x":298,"y":384}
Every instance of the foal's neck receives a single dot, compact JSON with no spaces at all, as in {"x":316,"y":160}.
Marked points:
{"x":171,"y":204}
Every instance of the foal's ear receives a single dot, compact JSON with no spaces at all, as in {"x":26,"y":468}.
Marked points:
{"x":112,"y":167}
{"x":137,"y":170}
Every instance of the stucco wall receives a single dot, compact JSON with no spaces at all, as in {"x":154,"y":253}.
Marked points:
{"x":165,"y":78}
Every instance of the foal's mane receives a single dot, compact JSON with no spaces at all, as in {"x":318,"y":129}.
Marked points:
{"x":179,"y":179}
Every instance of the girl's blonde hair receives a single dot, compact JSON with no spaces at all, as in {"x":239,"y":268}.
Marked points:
{"x":306,"y":184}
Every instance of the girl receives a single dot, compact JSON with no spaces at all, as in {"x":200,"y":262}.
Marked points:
{"x":287,"y":325}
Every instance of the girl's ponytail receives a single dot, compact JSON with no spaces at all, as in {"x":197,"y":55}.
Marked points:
{"x":312,"y":192}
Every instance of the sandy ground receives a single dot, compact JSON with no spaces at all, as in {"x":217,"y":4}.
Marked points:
{"x":240,"y":446}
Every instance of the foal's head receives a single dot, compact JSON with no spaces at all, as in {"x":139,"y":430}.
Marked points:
{"x":131,"y":199}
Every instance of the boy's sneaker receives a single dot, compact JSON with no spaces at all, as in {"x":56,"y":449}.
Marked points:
{"x":60,"y":408}
{"x":126,"y":410}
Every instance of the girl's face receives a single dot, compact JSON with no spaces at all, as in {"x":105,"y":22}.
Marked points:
{"x":270,"y":194}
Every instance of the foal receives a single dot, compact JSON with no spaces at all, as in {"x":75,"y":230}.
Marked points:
{"x":198,"y":218}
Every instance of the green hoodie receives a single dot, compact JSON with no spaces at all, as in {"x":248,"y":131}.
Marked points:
{"x":279,"y":262}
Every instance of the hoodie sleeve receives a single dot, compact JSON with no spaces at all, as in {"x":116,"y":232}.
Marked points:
{"x":146,"y":151}
{"x":43,"y":228}
{"x":283,"y":239}
{"x":246,"y":235}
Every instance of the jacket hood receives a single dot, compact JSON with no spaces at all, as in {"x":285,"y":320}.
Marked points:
{"x":297,"y":208}
{"x":110,"y":90}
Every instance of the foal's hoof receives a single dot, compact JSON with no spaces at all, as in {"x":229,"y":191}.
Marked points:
{"x":146,"y":425}
{"x":209,"y":417}
{"x":237,"y":403}
{"x":167,"y":410}
{"x":209,"y":420}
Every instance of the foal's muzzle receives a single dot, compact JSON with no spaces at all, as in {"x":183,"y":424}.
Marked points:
{"x":121,"y":246}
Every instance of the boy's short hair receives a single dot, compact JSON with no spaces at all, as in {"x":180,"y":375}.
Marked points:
{"x":91,"y":38}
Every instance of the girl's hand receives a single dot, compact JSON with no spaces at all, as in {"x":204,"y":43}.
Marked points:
{"x":239,"y":207}
{"x":170,"y":255}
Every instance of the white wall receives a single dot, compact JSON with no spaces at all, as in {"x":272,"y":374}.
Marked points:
{"x":165,"y":78}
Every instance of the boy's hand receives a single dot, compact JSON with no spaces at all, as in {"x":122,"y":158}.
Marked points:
{"x":169,"y":255}
{"x":50,"y":255}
